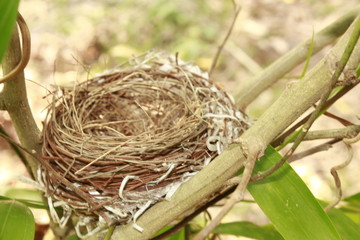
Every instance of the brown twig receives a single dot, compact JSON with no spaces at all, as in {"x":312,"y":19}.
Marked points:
{"x":220,"y":48}
{"x":187,"y":219}
{"x":279,"y":140}
{"x":252,"y":150}
{"x":334,"y":78}
{"x":333,"y":171}
{"x":16,"y":149}
{"x":244,"y":95}
{"x":339,"y":119}
{"x":319,"y":148}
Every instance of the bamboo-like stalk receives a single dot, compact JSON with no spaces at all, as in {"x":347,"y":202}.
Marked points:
{"x":338,"y":133}
{"x":244,"y":95}
{"x":290,"y":105}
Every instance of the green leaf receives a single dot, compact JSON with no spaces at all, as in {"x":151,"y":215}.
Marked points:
{"x":16,"y":221}
{"x":178,"y":236}
{"x":8,"y":13}
{"x":29,"y":197}
{"x":250,"y":230}
{"x":28,"y":203}
{"x":347,"y":229}
{"x":22,"y":193}
{"x":290,"y":139}
{"x":353,"y":198}
{"x":352,"y":207}
{"x":289,"y":204}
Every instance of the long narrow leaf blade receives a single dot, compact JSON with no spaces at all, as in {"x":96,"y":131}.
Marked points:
{"x":289,"y":204}
{"x":250,"y":230}
{"x":347,"y":229}
{"x":8,"y":13}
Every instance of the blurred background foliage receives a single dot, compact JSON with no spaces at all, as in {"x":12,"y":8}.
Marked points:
{"x":73,"y":40}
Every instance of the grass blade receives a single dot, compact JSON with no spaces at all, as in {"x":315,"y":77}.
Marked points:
{"x":250,"y":230}
{"x":347,"y":229}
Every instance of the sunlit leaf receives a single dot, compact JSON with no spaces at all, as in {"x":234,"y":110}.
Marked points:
{"x":29,"y":197}
{"x":352,"y":207}
{"x":8,"y":13}
{"x":289,"y":204}
{"x":250,"y":230}
{"x":22,"y":193}
{"x":353,"y":198}
{"x":16,"y":221}
{"x":28,"y":203}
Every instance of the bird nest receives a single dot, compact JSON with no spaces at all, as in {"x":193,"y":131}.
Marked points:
{"x":118,"y":143}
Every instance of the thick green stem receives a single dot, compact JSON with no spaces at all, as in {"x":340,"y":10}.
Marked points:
{"x":266,"y":78}
{"x":290,"y":105}
{"x":14,"y":100}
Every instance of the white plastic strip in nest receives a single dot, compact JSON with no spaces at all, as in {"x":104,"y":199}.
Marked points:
{"x":171,"y":167}
{"x":141,"y":210}
{"x":119,"y":212}
{"x":122,"y":187}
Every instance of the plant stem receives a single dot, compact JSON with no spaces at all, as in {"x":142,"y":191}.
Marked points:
{"x":14,"y":100}
{"x":322,"y":147}
{"x":220,"y":48}
{"x":281,"y":139}
{"x":246,"y":94}
{"x":327,"y":90}
{"x":338,"y":133}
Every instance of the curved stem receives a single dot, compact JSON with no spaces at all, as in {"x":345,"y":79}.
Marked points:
{"x":290,"y":105}
{"x":14,"y":100}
